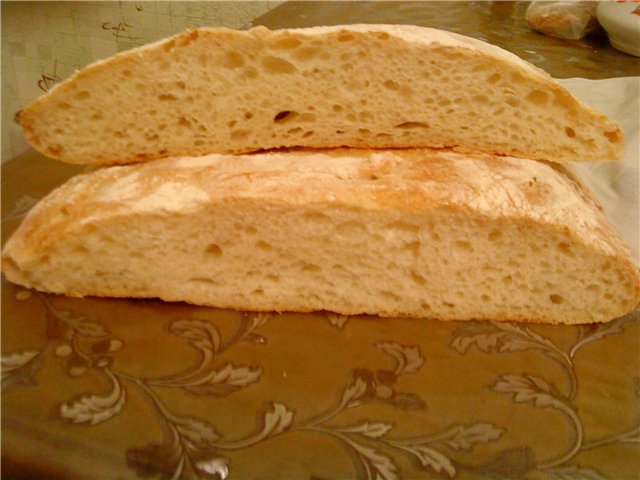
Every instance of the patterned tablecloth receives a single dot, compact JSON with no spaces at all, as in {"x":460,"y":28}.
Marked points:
{"x":114,"y":388}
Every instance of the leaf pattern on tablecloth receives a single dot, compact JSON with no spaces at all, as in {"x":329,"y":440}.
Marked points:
{"x":529,"y":388}
{"x":21,"y":208}
{"x":573,"y":473}
{"x":336,"y":320}
{"x":526,"y":388}
{"x":16,"y":360}
{"x":193,"y":447}
{"x":376,"y":465}
{"x":408,"y":359}
{"x":371,"y":430}
{"x":198,"y":333}
{"x":20,"y":368}
{"x":276,"y":421}
{"x":94,"y":409}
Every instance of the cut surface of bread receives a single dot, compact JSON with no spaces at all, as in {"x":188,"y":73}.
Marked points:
{"x":415,"y":233}
{"x":215,"y":90}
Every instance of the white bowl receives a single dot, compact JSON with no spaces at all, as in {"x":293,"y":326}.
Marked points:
{"x":621,"y":24}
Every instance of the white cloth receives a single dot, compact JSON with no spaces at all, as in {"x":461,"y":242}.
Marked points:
{"x":615,"y":184}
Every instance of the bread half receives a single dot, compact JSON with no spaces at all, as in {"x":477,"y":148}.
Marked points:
{"x":214,"y":90}
{"x":415,"y":233}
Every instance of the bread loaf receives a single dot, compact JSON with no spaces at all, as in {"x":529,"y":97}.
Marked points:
{"x":418,"y":233}
{"x":215,"y":90}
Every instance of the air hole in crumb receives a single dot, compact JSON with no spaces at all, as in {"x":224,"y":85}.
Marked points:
{"x":391,"y":85}
{"x":214,"y":250}
{"x":612,"y":136}
{"x":337,"y":108}
{"x":485,"y":298}
{"x":405,"y":227}
{"x":565,"y":248}
{"x":258,"y":291}
{"x":310,"y":267}
{"x":390,"y":295}
{"x":203,"y":281}
{"x":537,"y":97}
{"x":413,"y":247}
{"x":315,"y":217}
{"x":239,"y":134}
{"x":570,"y":132}
{"x":345,"y":37}
{"x":307,"y":117}
{"x":233,"y":60}
{"x":167,"y":96}
{"x":262,"y":245}
{"x":284,"y":116}
{"x":287,"y":43}
{"x":495,"y":235}
{"x":250,"y":72}
{"x":308,"y":134}
{"x":494,"y":78}
{"x":463,"y":245}
{"x":277,"y":65}
{"x":555,"y":298}
{"x":406,"y":125}
{"x":248,"y":115}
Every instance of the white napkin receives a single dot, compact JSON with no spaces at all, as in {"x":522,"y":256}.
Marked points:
{"x":615,"y":184}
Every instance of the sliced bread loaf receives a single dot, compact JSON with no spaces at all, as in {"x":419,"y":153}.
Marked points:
{"x":416,"y":233}
{"x":370,"y":86}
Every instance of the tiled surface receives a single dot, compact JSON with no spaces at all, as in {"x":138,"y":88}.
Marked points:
{"x":44,"y":42}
